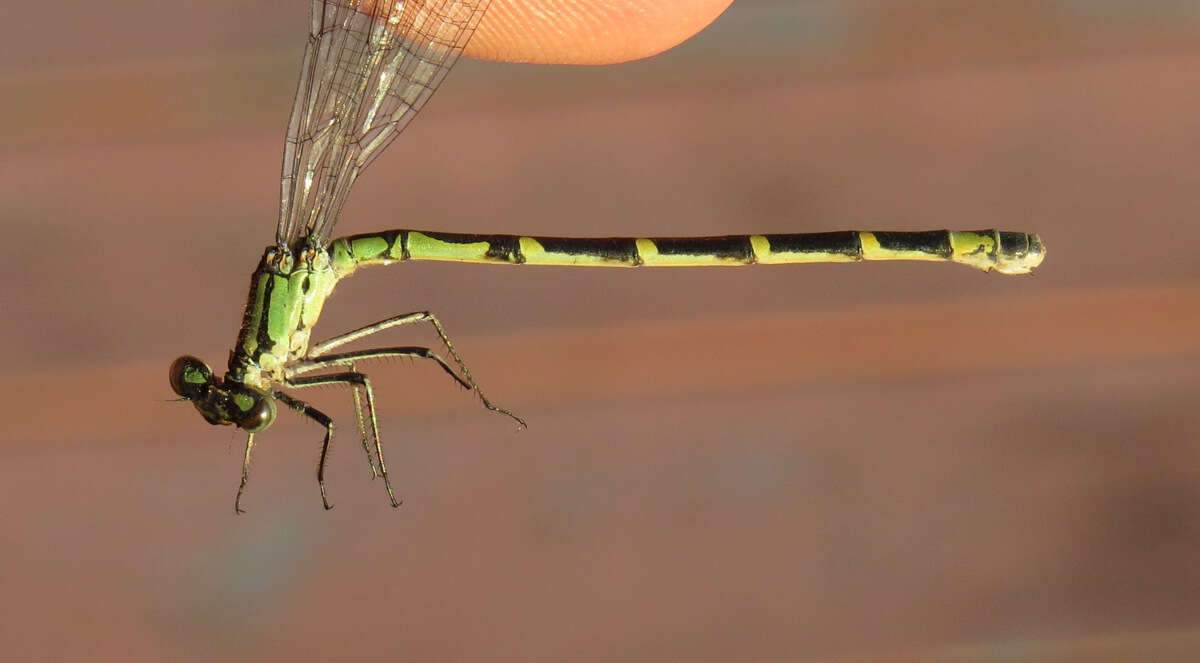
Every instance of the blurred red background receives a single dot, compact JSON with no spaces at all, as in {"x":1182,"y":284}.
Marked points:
{"x":867,"y":462}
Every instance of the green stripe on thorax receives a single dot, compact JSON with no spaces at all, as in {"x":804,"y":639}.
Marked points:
{"x":287,"y":294}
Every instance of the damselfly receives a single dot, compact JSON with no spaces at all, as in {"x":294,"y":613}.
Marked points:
{"x":368,"y":70}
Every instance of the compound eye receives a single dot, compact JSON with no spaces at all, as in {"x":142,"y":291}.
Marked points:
{"x":255,"y":411}
{"x":190,"y":377}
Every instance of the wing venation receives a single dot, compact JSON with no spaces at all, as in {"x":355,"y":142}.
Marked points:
{"x":368,"y":69}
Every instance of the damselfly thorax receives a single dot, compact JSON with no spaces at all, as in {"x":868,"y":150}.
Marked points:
{"x":287,"y":294}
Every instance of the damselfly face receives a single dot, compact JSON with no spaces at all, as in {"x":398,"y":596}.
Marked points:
{"x":219,"y":402}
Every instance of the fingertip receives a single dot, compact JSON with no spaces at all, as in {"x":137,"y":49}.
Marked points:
{"x":588,"y":33}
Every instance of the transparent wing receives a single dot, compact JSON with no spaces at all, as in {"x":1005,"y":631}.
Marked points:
{"x":369,"y":67}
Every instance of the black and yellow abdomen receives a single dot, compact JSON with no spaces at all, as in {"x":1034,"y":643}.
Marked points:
{"x":1005,"y":252}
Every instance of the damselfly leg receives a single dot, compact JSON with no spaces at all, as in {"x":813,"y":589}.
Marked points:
{"x":316,"y":360}
{"x":354,"y":380}
{"x":237,"y":503}
{"x":305,"y":410}
{"x":317,"y":350}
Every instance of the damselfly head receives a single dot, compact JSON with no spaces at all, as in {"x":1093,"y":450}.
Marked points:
{"x":221,"y":403}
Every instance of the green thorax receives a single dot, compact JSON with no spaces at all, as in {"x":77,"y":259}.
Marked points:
{"x":287,"y":292}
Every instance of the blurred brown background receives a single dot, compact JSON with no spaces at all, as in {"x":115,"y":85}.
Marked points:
{"x":884,"y":462}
